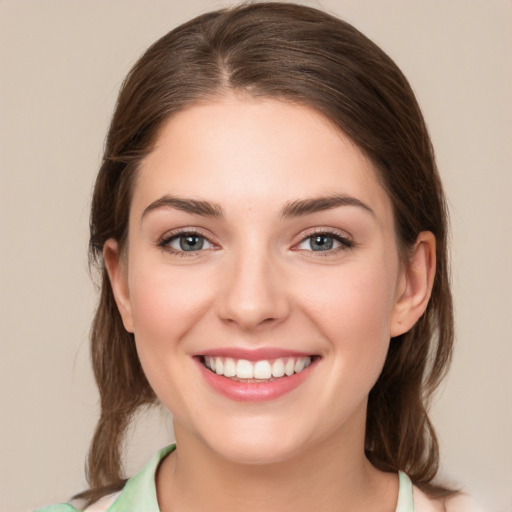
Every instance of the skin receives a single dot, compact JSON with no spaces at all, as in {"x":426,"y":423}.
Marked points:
{"x":257,"y":282}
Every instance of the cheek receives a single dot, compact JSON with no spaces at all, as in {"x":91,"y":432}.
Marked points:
{"x":352,"y":307}
{"x":352,"y":299}
{"x":167,"y":301}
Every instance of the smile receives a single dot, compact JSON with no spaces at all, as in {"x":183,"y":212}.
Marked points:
{"x":263,"y":370}
{"x":257,"y":375}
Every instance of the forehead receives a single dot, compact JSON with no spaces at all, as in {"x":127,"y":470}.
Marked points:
{"x":255,"y":151}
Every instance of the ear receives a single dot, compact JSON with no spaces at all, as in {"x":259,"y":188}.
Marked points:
{"x":415,"y":285}
{"x":116,"y":266}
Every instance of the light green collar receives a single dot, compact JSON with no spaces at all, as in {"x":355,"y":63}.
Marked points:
{"x":139,"y":493}
{"x":405,"y":501}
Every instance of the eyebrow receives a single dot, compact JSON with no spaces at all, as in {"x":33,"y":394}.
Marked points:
{"x":195,"y":206}
{"x":297,"y":208}
{"x":302,"y":207}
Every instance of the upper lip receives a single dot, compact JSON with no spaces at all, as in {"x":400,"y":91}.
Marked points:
{"x":255,"y":354}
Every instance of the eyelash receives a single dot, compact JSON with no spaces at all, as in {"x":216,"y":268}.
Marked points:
{"x":345,"y":242}
{"x":170,"y":237}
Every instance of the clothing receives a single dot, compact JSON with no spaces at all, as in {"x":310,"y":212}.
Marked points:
{"x":139,"y":495}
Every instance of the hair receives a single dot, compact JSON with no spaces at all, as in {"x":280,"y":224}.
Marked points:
{"x":300,"y":54}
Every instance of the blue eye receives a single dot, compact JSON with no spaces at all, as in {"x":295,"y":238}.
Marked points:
{"x":186,"y":242}
{"x":323,"y":242}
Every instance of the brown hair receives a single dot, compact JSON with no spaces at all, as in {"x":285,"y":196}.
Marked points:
{"x":298,"y":54}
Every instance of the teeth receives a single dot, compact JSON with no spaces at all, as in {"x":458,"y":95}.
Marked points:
{"x":244,"y":369}
{"x":260,"y":370}
{"x":289,"y":367}
{"x":229,"y":367}
{"x":278,"y":368}
{"x":299,"y":365}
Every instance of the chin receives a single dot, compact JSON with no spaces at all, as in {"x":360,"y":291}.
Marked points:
{"x":258,"y":453}
{"x":255,"y":443}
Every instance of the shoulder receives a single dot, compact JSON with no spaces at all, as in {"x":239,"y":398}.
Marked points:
{"x":458,"y":503}
{"x":59,"y":507}
{"x":463,"y":503}
{"x":102,"y":505}
{"x":138,"y":493}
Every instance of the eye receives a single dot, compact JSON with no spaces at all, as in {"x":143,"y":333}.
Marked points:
{"x":325,"y":242}
{"x":184,"y":242}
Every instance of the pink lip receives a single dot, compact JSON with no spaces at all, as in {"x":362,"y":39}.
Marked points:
{"x":253,"y":391}
{"x":256,"y":354}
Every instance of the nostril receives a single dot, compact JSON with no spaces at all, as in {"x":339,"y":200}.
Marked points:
{"x":249,"y":323}
{"x":253,"y":295}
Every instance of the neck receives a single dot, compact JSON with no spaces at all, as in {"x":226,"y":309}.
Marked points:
{"x":334,"y":476}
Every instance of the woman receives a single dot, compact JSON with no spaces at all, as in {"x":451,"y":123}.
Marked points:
{"x":271,"y":231}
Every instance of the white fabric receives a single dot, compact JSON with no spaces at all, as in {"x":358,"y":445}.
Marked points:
{"x":103,"y":504}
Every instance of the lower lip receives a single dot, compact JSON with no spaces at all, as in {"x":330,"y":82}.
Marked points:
{"x":254,"y":391}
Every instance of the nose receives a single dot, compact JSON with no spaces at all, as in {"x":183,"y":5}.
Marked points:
{"x":253,"y":295}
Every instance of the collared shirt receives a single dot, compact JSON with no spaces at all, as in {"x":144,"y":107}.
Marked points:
{"x":139,"y":494}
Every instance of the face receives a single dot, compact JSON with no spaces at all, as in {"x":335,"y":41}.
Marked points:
{"x":261,"y":278}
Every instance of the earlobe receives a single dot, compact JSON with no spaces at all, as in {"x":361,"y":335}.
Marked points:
{"x":416,"y":285}
{"x":118,"y":276}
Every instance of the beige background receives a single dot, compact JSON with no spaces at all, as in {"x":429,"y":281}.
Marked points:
{"x":61,"y":64}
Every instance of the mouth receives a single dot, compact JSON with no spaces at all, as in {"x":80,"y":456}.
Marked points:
{"x":248,"y":377}
{"x":264,"y":370}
